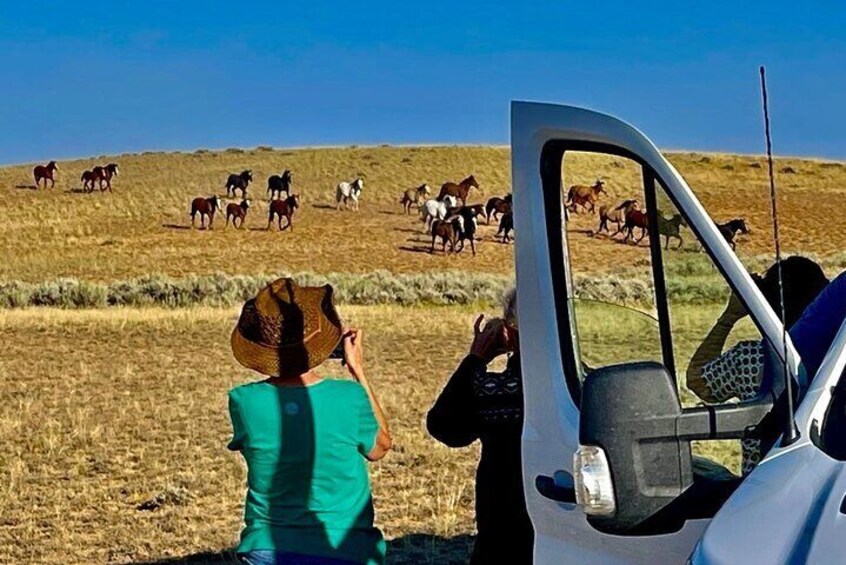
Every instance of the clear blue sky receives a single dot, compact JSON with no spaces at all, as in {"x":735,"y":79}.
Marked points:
{"x":127,"y":76}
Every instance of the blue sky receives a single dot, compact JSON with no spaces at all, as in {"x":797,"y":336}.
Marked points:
{"x":91,"y":78}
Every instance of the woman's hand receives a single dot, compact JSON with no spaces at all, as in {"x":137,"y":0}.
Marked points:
{"x":354,"y":353}
{"x":488,"y":343}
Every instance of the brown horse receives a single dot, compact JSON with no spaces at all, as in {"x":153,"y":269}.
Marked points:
{"x":460,"y":190}
{"x":584,"y":196}
{"x":45,"y":172}
{"x":497,"y":205}
{"x":616,"y":216}
{"x":286,"y":208}
{"x":204,"y":207}
{"x":88,"y":179}
{"x":449,"y":231}
{"x":237,"y":212}
{"x":414,"y":197}
{"x":636,"y":219}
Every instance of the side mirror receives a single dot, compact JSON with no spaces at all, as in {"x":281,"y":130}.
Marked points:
{"x":634,"y":456}
{"x":630,"y":413}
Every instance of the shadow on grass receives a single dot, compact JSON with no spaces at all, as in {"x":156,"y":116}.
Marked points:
{"x":323,"y":206}
{"x":26,"y":187}
{"x":178,"y":227}
{"x":78,"y":190}
{"x":413,"y":549}
{"x":417,"y":249}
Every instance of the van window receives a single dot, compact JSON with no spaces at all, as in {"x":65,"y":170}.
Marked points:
{"x":614,"y":306}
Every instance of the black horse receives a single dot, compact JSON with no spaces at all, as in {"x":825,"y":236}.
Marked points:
{"x":242,"y":181}
{"x":276,"y":184}
{"x":730,"y":229}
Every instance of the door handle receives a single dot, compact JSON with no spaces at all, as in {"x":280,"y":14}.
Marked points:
{"x":559,"y":487}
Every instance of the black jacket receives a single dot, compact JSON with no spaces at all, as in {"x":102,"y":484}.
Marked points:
{"x":477,"y":404}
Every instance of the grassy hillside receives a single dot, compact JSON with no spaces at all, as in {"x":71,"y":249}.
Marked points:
{"x":142,"y":228}
{"x":113,"y":443}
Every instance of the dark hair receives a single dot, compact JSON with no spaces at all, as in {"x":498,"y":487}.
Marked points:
{"x":803,"y":280}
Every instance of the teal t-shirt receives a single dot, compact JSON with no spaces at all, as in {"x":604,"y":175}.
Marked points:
{"x":308,"y":489}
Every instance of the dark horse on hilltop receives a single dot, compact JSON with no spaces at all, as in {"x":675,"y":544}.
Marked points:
{"x":460,"y":190}
{"x":284,"y":208}
{"x":239,"y":181}
{"x":45,"y":172}
{"x":101,"y":175}
{"x":276,"y":184}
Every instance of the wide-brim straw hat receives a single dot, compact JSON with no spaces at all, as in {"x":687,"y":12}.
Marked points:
{"x":287,"y":329}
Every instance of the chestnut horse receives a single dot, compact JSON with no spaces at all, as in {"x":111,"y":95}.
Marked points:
{"x":205,"y":207}
{"x":46,"y":173}
{"x":460,"y":190}
{"x":616,"y":216}
{"x":636,"y":219}
{"x":237,"y":212}
{"x":103,"y":175}
{"x":88,"y":179}
{"x":284,"y":208}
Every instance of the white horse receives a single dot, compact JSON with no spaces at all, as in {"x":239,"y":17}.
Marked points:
{"x":434,"y":209}
{"x":349,"y":191}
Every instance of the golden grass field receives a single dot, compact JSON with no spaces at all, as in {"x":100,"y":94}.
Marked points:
{"x":141,"y":228}
{"x":104,"y":410}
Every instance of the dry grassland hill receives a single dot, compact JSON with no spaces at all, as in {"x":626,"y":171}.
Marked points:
{"x":143,"y":226}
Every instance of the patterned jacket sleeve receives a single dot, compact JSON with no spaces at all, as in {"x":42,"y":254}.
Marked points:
{"x":735,"y":373}
{"x":453,"y":420}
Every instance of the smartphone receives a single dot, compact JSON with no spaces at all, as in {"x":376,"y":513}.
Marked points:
{"x":338,"y":352}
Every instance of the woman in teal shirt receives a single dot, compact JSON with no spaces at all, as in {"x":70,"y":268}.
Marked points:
{"x":305,"y":439}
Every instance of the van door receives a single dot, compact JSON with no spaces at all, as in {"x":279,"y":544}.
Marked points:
{"x":565,"y":334}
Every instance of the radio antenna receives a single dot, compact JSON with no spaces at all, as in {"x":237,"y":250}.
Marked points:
{"x":791,"y":432}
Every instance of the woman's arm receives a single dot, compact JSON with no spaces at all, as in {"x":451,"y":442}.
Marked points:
{"x":712,"y":347}
{"x":452,"y":419}
{"x":355,"y":363}
{"x":709,"y":350}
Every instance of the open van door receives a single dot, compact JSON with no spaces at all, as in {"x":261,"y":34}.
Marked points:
{"x":567,"y":341}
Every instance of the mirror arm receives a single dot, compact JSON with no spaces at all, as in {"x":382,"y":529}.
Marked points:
{"x":723,"y":421}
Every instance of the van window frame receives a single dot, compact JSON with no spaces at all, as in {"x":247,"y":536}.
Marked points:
{"x":551,"y":162}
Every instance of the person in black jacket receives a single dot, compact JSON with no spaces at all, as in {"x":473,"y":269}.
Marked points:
{"x":478,"y":404}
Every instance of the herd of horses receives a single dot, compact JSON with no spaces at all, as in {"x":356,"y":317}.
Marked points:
{"x":452,"y":219}
{"x":101,"y":175}
{"x":627,"y":216}
{"x":448,"y":216}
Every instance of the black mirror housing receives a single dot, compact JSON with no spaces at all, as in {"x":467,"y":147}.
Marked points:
{"x":632,"y":412}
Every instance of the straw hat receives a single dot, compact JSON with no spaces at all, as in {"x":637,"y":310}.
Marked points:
{"x":287,"y":329}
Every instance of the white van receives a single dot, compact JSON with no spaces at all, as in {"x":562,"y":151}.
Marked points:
{"x":628,"y":424}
